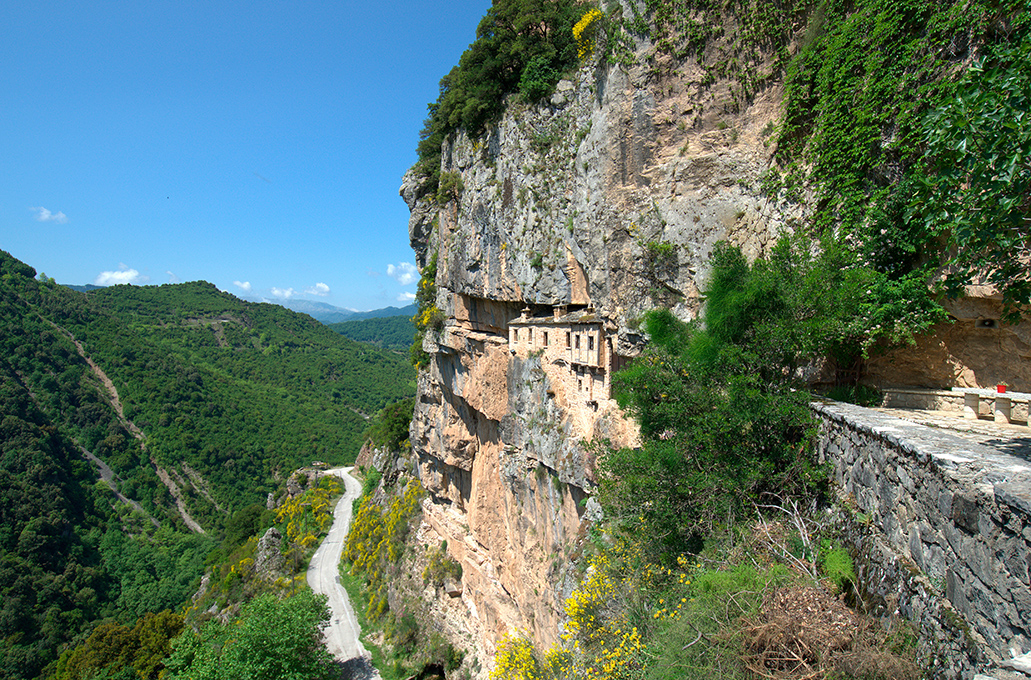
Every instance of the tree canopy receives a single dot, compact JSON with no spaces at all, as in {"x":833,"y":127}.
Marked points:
{"x":521,"y":46}
{"x":271,"y":639}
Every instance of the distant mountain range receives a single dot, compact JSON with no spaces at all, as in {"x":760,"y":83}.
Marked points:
{"x":326,"y":313}
{"x":320,"y":311}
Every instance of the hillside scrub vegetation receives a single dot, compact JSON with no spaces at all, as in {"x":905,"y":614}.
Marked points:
{"x":733,"y":611}
{"x":229,"y":398}
{"x":379,"y":554}
{"x":521,"y":46}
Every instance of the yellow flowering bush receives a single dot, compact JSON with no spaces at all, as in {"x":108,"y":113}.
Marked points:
{"x":601,"y":642}
{"x":584,"y":32}
{"x":376,"y":541}
{"x":516,"y":659}
{"x":306,"y":517}
{"x":605,"y":645}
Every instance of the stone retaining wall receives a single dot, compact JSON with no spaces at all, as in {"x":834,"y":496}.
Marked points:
{"x":942,"y":528}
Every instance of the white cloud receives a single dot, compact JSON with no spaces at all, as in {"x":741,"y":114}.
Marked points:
{"x":283,"y":293}
{"x":44,"y":215}
{"x":245,"y":286}
{"x":406,"y":297}
{"x":319,"y":289}
{"x":172,"y":278}
{"x":123,"y":275}
{"x":405,"y":273}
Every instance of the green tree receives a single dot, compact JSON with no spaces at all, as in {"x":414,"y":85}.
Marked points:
{"x":111,"y":649}
{"x":272,"y":639}
{"x":390,"y":426}
{"x":722,"y":406}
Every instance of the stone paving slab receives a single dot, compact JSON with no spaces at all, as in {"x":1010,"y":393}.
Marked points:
{"x":1013,"y":440}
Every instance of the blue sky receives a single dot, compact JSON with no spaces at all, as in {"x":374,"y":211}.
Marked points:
{"x":256,"y":145}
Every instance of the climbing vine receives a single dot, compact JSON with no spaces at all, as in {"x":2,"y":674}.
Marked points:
{"x":866,"y":97}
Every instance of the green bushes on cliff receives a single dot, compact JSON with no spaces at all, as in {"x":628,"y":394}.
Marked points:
{"x":389,"y":427}
{"x":521,"y":46}
{"x":722,"y":405}
{"x":975,"y":190}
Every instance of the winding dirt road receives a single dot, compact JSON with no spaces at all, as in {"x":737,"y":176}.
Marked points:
{"x":323,"y":577}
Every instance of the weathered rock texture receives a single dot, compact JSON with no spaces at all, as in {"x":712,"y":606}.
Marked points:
{"x":942,"y":530}
{"x":974,"y":350}
{"x":610,"y":196}
{"x":563,"y":204}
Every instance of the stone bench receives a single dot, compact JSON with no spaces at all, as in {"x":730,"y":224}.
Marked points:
{"x":1003,"y":403}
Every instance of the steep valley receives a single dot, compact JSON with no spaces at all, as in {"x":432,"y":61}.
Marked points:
{"x":194,"y":407}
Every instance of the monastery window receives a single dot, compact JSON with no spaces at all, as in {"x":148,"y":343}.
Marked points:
{"x":590,"y":342}
{"x":529,"y":336}
{"x":577,"y":340}
{"x":567,"y":338}
{"x":545,"y":338}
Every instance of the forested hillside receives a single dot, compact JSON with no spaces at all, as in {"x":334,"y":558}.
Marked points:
{"x":389,"y":332}
{"x":221,"y":397}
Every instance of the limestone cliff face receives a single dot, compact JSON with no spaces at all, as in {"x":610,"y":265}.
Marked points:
{"x":604,"y":202}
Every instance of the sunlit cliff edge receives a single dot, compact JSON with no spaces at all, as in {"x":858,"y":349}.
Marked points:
{"x":574,"y":217}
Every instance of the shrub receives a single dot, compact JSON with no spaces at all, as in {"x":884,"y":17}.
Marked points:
{"x":390,"y":426}
{"x":450,"y":188}
{"x":428,"y":317}
{"x":521,"y":45}
{"x":836,"y":564}
{"x":584,"y":32}
{"x":538,"y":79}
{"x":440,"y":566}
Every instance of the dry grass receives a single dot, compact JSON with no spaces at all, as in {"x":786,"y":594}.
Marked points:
{"x":805,"y":633}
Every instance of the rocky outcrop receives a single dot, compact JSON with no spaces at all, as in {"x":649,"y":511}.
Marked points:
{"x":974,"y":349}
{"x":606,"y":199}
{"x":268,"y":556}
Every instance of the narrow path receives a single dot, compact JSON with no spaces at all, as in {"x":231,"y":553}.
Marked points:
{"x":323,"y":577}
{"x":112,"y":395}
{"x":109,"y":476}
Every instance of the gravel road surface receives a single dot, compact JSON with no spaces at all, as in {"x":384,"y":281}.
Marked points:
{"x":323,"y":577}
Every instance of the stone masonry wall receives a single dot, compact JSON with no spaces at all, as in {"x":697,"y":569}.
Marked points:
{"x":942,"y":527}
